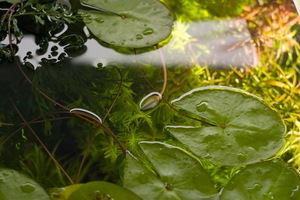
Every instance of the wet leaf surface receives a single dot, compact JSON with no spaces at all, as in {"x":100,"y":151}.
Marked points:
{"x":174,"y":174}
{"x":246,"y":129}
{"x":141,"y":23}
{"x":102,"y":190}
{"x":14,"y":185}
{"x":265,"y":180}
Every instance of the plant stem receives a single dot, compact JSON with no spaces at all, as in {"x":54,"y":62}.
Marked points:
{"x":165,"y":76}
{"x":41,"y":143}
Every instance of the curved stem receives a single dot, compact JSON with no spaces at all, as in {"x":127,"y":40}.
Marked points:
{"x":165,"y":78}
{"x":163,"y":89}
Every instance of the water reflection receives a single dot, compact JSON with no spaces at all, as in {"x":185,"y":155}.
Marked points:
{"x":216,"y":43}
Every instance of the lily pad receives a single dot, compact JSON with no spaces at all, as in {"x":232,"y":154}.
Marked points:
{"x":266,"y":180}
{"x":17,"y":186}
{"x":246,"y":129}
{"x":102,"y":190}
{"x":175,"y":175}
{"x":139,"y":23}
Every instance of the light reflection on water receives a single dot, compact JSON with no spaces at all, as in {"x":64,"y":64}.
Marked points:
{"x":216,"y":43}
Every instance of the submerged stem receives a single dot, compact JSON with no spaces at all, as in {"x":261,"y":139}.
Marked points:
{"x":41,"y":143}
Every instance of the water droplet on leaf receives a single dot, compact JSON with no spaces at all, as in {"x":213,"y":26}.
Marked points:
{"x":148,"y":31}
{"x":241,"y":157}
{"x":99,"y":20}
{"x":139,"y":37}
{"x":27,"y":188}
{"x":207,"y":156}
{"x":202,"y":107}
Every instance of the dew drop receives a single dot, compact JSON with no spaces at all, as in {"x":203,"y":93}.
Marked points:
{"x":241,"y":157}
{"x":99,"y":20}
{"x":207,"y":156}
{"x":139,"y":37}
{"x":257,"y":186}
{"x":268,"y":195}
{"x":27,"y":188}
{"x":148,"y":31}
{"x":202,"y":107}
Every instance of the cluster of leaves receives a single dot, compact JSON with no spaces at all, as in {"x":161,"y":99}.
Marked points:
{"x":278,"y":84}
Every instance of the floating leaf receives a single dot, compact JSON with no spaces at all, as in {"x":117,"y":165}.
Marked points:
{"x":16,"y":186}
{"x":175,"y":175}
{"x":102,"y":190}
{"x":265,"y":180}
{"x":63,"y":193}
{"x":139,"y":23}
{"x":246,"y":129}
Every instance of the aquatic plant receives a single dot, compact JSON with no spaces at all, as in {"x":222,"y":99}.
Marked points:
{"x":154,"y":162}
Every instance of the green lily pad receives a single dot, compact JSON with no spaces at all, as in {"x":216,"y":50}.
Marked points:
{"x":17,"y":186}
{"x":266,"y":180}
{"x":141,"y":23}
{"x":175,"y":175}
{"x":102,"y":190}
{"x":63,"y":193}
{"x":246,"y":129}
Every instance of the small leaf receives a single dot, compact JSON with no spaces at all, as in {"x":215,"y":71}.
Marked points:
{"x":16,"y":186}
{"x":139,"y":23}
{"x":246,"y":129}
{"x":102,"y":190}
{"x":175,"y":175}
{"x":265,"y":180}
